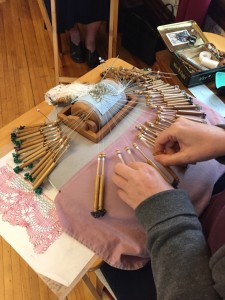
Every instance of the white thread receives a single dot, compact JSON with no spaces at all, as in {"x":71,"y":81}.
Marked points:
{"x":209,"y":63}
{"x":105,"y":99}
{"x":204,"y":54}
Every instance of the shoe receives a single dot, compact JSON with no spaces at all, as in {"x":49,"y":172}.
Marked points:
{"x":92,"y":59}
{"x":76,"y":52}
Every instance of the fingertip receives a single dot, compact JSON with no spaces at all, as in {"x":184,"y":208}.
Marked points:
{"x":120,"y":167}
{"x":158,"y":157}
{"x":163,"y":159}
{"x":155,"y":153}
{"x":158,"y":148}
{"x":116,"y":167}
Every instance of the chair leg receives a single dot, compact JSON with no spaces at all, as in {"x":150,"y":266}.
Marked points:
{"x":45,"y":17}
{"x":59,"y":44}
{"x":113,"y":24}
{"x":55,"y":40}
{"x":102,"y":284}
{"x":91,"y":287}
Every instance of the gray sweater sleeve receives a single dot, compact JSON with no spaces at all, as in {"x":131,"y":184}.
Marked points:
{"x":178,"y":250}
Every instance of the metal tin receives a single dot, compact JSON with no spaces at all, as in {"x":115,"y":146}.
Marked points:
{"x":170,"y":34}
{"x":184,"y":39}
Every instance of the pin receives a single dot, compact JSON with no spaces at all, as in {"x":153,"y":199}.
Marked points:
{"x":38,"y":110}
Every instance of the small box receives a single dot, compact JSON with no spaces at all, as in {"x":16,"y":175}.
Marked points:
{"x":194,"y":59}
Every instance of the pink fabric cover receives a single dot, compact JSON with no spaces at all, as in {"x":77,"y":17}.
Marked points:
{"x":117,"y":237}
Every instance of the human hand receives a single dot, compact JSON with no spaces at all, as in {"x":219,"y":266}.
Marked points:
{"x":187,"y":142}
{"x":138,"y":181}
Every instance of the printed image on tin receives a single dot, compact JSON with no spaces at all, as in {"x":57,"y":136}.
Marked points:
{"x":178,"y":37}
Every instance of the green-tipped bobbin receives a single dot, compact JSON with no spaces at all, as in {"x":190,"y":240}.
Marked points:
{"x":17,"y":160}
{"x":17,"y":169}
{"x":38,"y":190}
{"x":29,"y":177}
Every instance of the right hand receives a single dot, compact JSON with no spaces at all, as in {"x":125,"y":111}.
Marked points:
{"x":138,"y":181}
{"x":187,"y":142}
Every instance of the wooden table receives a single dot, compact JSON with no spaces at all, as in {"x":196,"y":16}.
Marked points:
{"x":32,"y":117}
{"x":217,"y":40}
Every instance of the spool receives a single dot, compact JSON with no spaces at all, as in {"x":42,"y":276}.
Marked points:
{"x":204,"y":54}
{"x":209,"y":63}
{"x":101,"y":103}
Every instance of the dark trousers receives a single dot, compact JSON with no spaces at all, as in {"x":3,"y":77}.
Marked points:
{"x":130,"y":285}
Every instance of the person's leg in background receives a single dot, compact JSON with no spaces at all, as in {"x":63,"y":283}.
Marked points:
{"x":75,"y":35}
{"x":130,"y":285}
{"x":92,"y":55}
{"x":91,"y":33}
{"x":76,"y":49}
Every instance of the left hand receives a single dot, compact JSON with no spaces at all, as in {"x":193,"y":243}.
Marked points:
{"x":138,"y":181}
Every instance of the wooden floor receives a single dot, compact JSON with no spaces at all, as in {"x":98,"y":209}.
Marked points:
{"x":26,"y":73}
{"x":26,"y":58}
